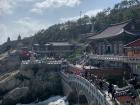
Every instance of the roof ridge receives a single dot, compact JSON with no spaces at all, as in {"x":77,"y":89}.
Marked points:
{"x":121,"y":25}
{"x":132,"y":42}
{"x":127,"y":21}
{"x":123,"y":22}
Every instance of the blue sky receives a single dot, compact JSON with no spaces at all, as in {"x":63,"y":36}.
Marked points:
{"x":26,"y":17}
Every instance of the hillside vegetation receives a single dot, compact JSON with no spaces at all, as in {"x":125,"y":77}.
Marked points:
{"x":73,"y":31}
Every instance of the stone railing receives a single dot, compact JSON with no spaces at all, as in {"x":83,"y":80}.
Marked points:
{"x":89,"y":87}
{"x":124,"y":59}
{"x":27,"y":62}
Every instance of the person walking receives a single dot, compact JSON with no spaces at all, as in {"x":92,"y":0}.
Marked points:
{"x":110,"y":88}
{"x":100,"y":84}
{"x":113,"y":94}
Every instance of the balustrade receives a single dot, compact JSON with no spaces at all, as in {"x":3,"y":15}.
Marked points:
{"x":87,"y":86}
{"x":125,"y":59}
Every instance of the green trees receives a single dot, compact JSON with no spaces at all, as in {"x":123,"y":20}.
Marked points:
{"x":73,"y":30}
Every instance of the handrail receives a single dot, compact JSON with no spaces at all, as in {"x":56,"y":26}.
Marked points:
{"x":95,"y":91}
{"x":27,"y":62}
{"x":125,"y":59}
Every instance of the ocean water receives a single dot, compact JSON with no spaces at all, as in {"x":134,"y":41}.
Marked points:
{"x":57,"y":100}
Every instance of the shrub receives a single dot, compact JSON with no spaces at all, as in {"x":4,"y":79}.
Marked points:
{"x":21,"y":77}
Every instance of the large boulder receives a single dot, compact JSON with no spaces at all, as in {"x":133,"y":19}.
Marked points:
{"x":9,"y":61}
{"x":9,"y":82}
{"x":15,"y":95}
{"x":28,"y":84}
{"x":27,"y":73}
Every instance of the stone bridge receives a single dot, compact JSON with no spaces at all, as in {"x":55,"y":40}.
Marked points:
{"x":80,"y":91}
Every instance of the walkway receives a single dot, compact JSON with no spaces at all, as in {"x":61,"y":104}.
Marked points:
{"x":104,"y":91}
{"x":124,"y":59}
{"x":101,"y":95}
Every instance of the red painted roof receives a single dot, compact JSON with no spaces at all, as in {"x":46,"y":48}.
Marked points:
{"x":135,"y":43}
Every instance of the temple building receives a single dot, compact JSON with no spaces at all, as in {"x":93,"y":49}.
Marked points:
{"x":112,"y":39}
{"x":114,"y":47}
{"x":39,"y":49}
{"x":132,"y":49}
{"x":54,"y":49}
{"x":59,"y":49}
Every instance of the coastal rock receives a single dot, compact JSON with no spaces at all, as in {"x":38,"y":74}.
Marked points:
{"x":9,"y":82}
{"x":28,"y":84}
{"x":15,"y":95}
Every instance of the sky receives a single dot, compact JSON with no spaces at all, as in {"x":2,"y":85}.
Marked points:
{"x":26,"y":17}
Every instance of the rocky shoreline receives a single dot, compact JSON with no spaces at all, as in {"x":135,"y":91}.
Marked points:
{"x":28,"y":84}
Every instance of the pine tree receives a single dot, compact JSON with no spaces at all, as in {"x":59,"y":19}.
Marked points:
{"x":8,"y":39}
{"x":19,"y":38}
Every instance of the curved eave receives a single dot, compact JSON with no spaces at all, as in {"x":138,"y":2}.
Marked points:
{"x":116,"y":35}
{"x":130,"y":33}
{"x":112,"y":36}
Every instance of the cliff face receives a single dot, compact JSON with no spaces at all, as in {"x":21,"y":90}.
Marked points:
{"x":28,"y":84}
{"x":9,"y":62}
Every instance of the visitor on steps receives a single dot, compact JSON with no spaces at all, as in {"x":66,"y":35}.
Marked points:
{"x":113,"y":94}
{"x":110,"y":88}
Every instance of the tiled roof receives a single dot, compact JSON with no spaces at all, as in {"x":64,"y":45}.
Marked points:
{"x":111,"y":31}
{"x":59,"y":43}
{"x":135,"y":43}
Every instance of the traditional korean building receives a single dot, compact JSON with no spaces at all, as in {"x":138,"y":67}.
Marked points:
{"x":132,"y":49}
{"x":59,"y":49}
{"x":54,"y":49}
{"x":108,"y":46}
{"x":40,"y":50}
{"x":112,"y":39}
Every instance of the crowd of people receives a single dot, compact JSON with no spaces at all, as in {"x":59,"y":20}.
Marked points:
{"x":102,"y":85}
{"x":108,"y":89}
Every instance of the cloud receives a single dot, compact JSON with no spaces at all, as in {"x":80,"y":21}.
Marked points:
{"x":27,"y":26}
{"x":69,"y":19}
{"x":90,"y":13}
{"x":3,"y":33}
{"x":6,"y":6}
{"x":93,"y":12}
{"x":26,"y":0}
{"x":24,"y":26}
{"x":39,"y":7}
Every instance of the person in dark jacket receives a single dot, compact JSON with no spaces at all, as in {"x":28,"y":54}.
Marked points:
{"x":113,"y":94}
{"x":101,"y":84}
{"x":110,"y":88}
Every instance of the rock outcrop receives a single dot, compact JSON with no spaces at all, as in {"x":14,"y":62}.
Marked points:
{"x":15,"y":95}
{"x":28,"y":84}
{"x":9,"y":82}
{"x":9,"y":61}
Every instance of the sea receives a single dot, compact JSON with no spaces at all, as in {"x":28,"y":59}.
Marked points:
{"x":56,"y":100}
